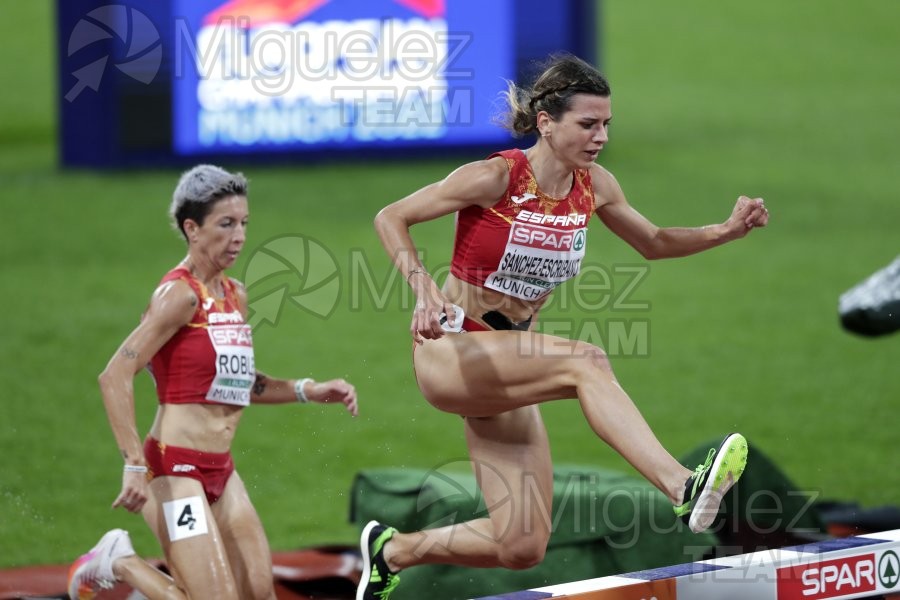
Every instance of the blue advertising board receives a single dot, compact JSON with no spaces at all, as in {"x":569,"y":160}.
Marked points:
{"x":174,"y":81}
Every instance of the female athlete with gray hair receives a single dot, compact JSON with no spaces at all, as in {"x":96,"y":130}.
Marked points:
{"x":197,"y":345}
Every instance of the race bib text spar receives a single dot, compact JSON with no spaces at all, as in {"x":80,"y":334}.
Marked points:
{"x":542,"y":252}
{"x":235,"y":370}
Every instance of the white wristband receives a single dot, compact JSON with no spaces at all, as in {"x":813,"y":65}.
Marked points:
{"x":298,"y":390}
{"x":135,"y":469}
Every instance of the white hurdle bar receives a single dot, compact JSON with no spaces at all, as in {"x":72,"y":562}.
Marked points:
{"x":853,"y":567}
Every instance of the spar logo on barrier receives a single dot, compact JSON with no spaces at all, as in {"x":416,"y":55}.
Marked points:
{"x":889,"y":569}
{"x":829,"y":579}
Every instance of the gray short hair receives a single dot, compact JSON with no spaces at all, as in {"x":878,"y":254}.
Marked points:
{"x":199,"y":189}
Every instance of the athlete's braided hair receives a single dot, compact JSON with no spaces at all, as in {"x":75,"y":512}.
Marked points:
{"x":562,"y":76}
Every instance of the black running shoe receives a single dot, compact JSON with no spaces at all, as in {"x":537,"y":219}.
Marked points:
{"x":704,"y":489}
{"x":377,"y":581}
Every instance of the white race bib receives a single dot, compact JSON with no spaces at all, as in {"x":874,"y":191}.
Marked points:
{"x":185,"y":518}
{"x":539,"y":257}
{"x":235,"y":370}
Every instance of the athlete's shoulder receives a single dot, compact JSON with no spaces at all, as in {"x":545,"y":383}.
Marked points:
{"x":237,"y":285}
{"x":240,"y":291}
{"x":481,"y":182}
{"x":492,"y":167}
{"x":180,"y":272}
{"x":605,"y":186}
{"x":177,"y":290}
{"x":173,"y":300}
{"x":600,"y":174}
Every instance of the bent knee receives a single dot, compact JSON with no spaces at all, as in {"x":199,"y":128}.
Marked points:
{"x":523,"y":554}
{"x":591,"y":358}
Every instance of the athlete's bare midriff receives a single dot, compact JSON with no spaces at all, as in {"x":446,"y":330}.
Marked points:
{"x":476,"y":301}
{"x":206,"y":427}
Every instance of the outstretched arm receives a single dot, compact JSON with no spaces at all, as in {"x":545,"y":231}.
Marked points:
{"x":272,"y":390}
{"x":669,"y":242}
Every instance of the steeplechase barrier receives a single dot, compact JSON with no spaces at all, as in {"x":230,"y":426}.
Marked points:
{"x":864,"y":566}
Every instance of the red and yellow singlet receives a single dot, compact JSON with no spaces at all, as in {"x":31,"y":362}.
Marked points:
{"x":209,"y":360}
{"x":527,"y":243}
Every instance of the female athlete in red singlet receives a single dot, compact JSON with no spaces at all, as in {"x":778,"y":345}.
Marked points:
{"x":195,"y":342}
{"x":520,"y":232}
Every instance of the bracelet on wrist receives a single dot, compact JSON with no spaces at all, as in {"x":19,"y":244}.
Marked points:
{"x":414,"y":271}
{"x":298,"y":390}
{"x":135,"y":469}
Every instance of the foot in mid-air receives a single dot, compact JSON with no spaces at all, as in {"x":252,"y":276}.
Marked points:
{"x":377,"y":581}
{"x":93,"y":571}
{"x":710,"y":481}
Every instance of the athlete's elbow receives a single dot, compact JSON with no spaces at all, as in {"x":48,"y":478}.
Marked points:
{"x":388,"y":220}
{"x":383,"y":219}
{"x":380,"y":218}
{"x":110,"y":378}
{"x":649,"y":251}
{"x":104,"y":379}
{"x":648,"y":244}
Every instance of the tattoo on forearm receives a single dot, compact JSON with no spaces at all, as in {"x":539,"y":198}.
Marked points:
{"x":259,"y":386}
{"x":129,"y":353}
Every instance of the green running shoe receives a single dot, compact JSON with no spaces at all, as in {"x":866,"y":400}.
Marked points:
{"x":705,"y":489}
{"x":377,"y":581}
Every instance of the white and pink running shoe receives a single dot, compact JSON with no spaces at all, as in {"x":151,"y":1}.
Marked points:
{"x":93,"y":571}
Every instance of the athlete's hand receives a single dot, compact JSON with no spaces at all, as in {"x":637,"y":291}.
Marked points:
{"x":430,"y":306}
{"x":426,"y":319}
{"x":747,"y":214}
{"x":334,"y":390}
{"x":134,"y":492}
